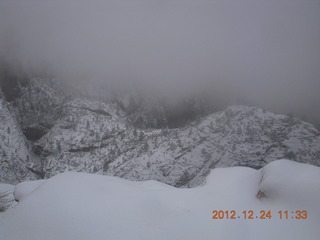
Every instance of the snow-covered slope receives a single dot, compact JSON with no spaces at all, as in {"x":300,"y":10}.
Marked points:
{"x":76,"y":206}
{"x":97,"y":136}
{"x":14,"y":153}
{"x":94,"y":140}
{"x":38,"y":107}
{"x":76,"y":142}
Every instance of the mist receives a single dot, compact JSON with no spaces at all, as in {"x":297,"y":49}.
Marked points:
{"x":263,"y":53}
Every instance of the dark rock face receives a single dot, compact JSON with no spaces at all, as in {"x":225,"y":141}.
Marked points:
{"x":34,"y":134}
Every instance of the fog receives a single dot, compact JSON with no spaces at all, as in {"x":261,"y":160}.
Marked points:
{"x":264,"y":53}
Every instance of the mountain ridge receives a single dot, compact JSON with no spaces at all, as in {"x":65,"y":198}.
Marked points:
{"x":94,"y":136}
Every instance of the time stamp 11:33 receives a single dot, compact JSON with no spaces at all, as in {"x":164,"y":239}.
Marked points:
{"x":249,"y":214}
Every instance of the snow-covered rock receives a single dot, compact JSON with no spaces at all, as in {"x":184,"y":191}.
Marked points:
{"x":88,"y":141}
{"x":14,"y":152}
{"x":81,"y":139}
{"x":97,"y":136}
{"x":38,"y":107}
{"x":76,"y":206}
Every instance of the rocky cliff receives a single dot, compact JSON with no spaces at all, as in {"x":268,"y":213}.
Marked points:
{"x":87,"y":135}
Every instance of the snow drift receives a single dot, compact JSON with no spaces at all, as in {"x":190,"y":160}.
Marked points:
{"x":75,"y":206}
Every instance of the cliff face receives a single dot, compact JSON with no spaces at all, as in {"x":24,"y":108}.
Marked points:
{"x":79,"y":134}
{"x":87,"y":139}
{"x":38,"y":107}
{"x":14,"y":152}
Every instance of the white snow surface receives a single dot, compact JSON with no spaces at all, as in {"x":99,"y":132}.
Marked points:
{"x":25,"y":188}
{"x":291,"y":182}
{"x":76,"y":206}
{"x":6,"y":187}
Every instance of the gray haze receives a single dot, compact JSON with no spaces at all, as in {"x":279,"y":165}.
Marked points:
{"x":259,"y":52}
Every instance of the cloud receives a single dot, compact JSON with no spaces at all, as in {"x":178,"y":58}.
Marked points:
{"x":265,"y":53}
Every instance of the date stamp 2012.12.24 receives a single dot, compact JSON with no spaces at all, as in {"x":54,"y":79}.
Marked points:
{"x":263,"y":214}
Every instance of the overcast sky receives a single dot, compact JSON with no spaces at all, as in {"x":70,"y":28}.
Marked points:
{"x":261,"y":52}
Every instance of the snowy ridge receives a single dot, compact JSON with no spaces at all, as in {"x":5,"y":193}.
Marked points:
{"x":87,"y":141}
{"x":95,"y":136}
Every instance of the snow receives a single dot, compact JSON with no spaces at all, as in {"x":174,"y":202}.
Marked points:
{"x":6,"y":196}
{"x":76,"y":206}
{"x":292,"y":183}
{"x":6,"y":187}
{"x":25,"y":188}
